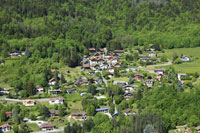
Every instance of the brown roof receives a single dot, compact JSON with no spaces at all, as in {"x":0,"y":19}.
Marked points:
{"x":38,"y":87}
{"x":5,"y":125}
{"x":46,"y":125}
{"x":59,"y":98}
{"x":91,"y":49}
{"x":8,"y":113}
{"x":86,"y":65}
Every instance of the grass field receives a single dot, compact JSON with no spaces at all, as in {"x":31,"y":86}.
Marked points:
{"x":75,"y":106}
{"x":33,"y":127}
{"x":186,"y":67}
{"x":74,"y":72}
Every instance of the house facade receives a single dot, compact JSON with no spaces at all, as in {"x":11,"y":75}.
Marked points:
{"x":57,"y":100}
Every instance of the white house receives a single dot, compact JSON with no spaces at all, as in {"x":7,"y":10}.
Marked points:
{"x":39,"y":89}
{"x":57,"y":100}
{"x":29,"y":102}
{"x":129,"y":88}
{"x":185,"y":58}
{"x":52,"y":81}
{"x":152,"y":54}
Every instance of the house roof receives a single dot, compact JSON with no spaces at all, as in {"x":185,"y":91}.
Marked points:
{"x":38,"y":87}
{"x":79,"y":113}
{"x":53,"y":111}
{"x":28,"y":100}
{"x":56,"y":98}
{"x":101,"y":109}
{"x":8,"y":113}
{"x":5,"y":125}
{"x":91,"y":49}
{"x":46,"y":125}
{"x":86,"y":65}
{"x":52,"y":79}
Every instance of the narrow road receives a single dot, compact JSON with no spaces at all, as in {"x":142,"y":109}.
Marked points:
{"x":153,"y":66}
{"x":104,"y":80}
{"x":20,"y":101}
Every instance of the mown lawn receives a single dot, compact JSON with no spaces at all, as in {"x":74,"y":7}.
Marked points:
{"x":75,"y":106}
{"x":74,"y":72}
{"x":186,"y":67}
{"x":33,"y":127}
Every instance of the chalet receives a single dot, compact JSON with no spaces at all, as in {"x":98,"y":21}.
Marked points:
{"x":15,"y":53}
{"x":128,"y":95}
{"x":92,"y":50}
{"x":83,"y":93}
{"x":86,"y":66}
{"x":5,"y":128}
{"x":128,"y":112}
{"x":53,"y":113}
{"x":70,"y":91}
{"x":57,"y":100}
{"x":185,"y":58}
{"x":52,"y":81}
{"x":97,"y":54}
{"x":149,"y":83}
{"x":121,"y":83}
{"x":152,"y":54}
{"x":138,"y":77}
{"x":39,"y":89}
{"x":80,"y":114}
{"x":29,"y":102}
{"x":55,"y":91}
{"x":118,"y":64}
{"x":129,"y":88}
{"x":47,"y":126}
{"x":118,"y":51}
{"x":159,"y":71}
{"x":8,"y":114}
{"x":110,"y":74}
{"x":111,"y":69}
{"x":160,"y":76}
{"x":82,"y":81}
{"x":198,"y":129}
{"x":145,"y":59}
{"x":104,"y":109}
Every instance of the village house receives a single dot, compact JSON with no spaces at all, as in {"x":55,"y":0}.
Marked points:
{"x":81,"y":115}
{"x":128,"y":95}
{"x":86,"y":66}
{"x":138,"y":77}
{"x":185,"y":58}
{"x":110,"y":74}
{"x":159,"y":71}
{"x":39,"y":89}
{"x":70,"y":91}
{"x":149,"y":83}
{"x":8,"y":114}
{"x":47,"y":126}
{"x":128,"y":112}
{"x":152,"y":54}
{"x":15,"y":53}
{"x":52,"y":81}
{"x":198,"y":129}
{"x":57,"y":100}
{"x":160,"y":76}
{"x":117,"y":64}
{"x":129,"y":88}
{"x":55,"y":91}
{"x":82,"y":81}
{"x":121,"y":83}
{"x":29,"y":102}
{"x":53,"y":113}
{"x":5,"y":128}
{"x":104,"y":109}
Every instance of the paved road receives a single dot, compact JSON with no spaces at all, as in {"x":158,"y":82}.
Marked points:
{"x":20,"y":101}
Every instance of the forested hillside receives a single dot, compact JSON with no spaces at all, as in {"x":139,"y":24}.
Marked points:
{"x":97,"y":23}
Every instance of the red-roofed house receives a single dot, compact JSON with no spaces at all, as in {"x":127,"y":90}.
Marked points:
{"x":8,"y":114}
{"x":47,"y":126}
